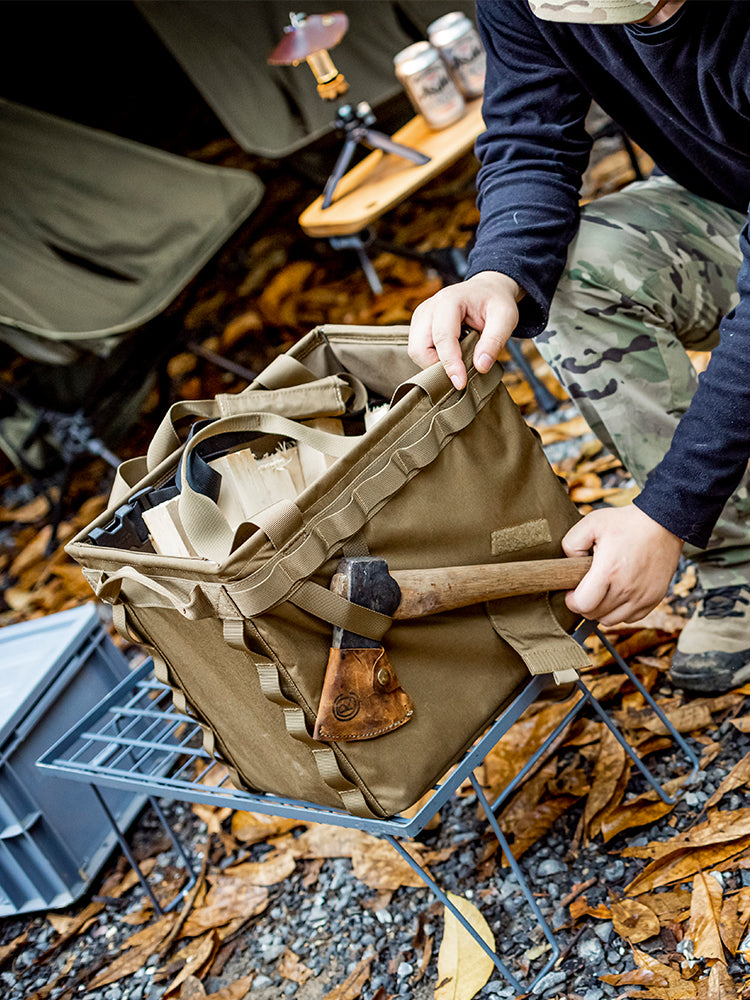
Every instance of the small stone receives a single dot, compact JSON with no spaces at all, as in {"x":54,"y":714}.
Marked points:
{"x":595,"y":993}
{"x":604,"y":931}
{"x":271,"y":952}
{"x":290,"y":989}
{"x":615,"y":871}
{"x":260,"y":982}
{"x":383,"y":917}
{"x":692,"y":799}
{"x":548,"y":982}
{"x":551,"y":866}
{"x":404,"y":970}
{"x":590,"y":950}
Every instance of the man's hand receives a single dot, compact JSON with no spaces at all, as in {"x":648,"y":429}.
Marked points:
{"x":634,"y":562}
{"x":487,"y":302}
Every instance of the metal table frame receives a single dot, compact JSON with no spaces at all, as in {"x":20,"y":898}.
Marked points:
{"x":134,"y":739}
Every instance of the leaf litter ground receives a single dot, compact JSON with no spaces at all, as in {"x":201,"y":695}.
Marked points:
{"x":648,"y":900}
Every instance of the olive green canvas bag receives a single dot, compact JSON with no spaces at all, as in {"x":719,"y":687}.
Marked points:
{"x":242,"y":631}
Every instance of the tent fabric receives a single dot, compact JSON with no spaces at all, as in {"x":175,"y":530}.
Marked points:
{"x":274,"y":111}
{"x":100,"y":233}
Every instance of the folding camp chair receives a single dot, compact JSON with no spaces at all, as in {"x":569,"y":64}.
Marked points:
{"x":99,"y":235}
{"x":136,"y":740}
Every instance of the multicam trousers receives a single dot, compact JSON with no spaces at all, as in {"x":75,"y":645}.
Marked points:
{"x":651,"y":272}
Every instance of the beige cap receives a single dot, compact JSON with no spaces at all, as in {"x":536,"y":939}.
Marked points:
{"x":594,"y":11}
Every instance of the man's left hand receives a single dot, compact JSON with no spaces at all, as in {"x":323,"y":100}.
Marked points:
{"x":634,"y":562}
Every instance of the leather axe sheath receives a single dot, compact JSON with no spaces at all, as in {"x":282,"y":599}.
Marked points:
{"x":362,"y":697}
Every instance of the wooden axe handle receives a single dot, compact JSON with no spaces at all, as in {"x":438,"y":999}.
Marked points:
{"x":428,"y":591}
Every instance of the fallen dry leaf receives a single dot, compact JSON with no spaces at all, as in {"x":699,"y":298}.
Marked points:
{"x":634,"y":921}
{"x":639,"y":811}
{"x":611,"y":773}
{"x":253,"y":828}
{"x":10,"y":950}
{"x":684,"y":864}
{"x":737,"y":778}
{"x":705,"y":914}
{"x":138,"y":949}
{"x":272,"y":870}
{"x":686,"y":584}
{"x":235,"y":991}
{"x":198,"y":956}
{"x":351,"y":988}
{"x":670,"y":905}
{"x":228,"y":899}
{"x":381,"y":867}
{"x":463,"y":966}
{"x":29,"y":513}
{"x":564,"y":431}
{"x":290,"y":967}
{"x":662,"y":981}
{"x":192,"y":989}
{"x":734,"y":920}
{"x":720,"y":985}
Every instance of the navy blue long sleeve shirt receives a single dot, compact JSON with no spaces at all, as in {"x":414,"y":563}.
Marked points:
{"x":683,"y":94}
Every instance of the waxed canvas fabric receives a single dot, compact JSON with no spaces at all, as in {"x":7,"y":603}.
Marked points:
{"x":244,"y":639}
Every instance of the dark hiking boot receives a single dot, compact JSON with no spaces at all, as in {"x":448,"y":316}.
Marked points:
{"x":713,"y":651}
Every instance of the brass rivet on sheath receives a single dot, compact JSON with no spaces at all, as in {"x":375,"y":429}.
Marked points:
{"x":383,"y":676}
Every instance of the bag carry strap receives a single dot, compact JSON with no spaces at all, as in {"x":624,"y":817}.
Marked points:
{"x":297,"y":397}
{"x":351,"y":797}
{"x":205,"y":526}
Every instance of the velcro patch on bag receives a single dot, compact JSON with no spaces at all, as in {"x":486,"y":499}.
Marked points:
{"x":520,"y":536}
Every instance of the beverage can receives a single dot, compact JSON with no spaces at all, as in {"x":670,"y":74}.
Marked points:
{"x":428,"y":83}
{"x":458,"y":42}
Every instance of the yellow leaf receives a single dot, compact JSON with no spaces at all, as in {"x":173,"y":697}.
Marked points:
{"x":463,"y":966}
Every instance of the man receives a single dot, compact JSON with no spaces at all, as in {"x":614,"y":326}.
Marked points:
{"x":614,"y":294}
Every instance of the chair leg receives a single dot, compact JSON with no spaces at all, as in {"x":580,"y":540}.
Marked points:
{"x":507,"y":974}
{"x":657,"y":710}
{"x":159,"y":910}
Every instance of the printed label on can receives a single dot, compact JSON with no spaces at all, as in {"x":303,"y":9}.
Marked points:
{"x":466,"y":60}
{"x":435,"y":95}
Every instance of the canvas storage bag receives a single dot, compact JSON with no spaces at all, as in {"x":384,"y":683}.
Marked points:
{"x":242,"y":632}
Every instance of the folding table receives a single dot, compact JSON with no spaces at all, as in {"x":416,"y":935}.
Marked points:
{"x":135,"y":740}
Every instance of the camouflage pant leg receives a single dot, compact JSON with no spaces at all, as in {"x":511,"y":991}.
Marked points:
{"x":651,"y":272}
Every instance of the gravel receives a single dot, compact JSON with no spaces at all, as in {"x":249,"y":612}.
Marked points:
{"x":333,"y":924}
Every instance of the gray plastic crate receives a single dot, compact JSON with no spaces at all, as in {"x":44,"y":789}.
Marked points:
{"x":54,"y":835}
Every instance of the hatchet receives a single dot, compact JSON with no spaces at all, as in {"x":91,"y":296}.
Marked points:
{"x":362,"y":697}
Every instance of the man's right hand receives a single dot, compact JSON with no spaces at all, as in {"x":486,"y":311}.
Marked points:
{"x":487,"y":301}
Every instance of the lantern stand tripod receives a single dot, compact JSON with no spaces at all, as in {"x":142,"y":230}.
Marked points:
{"x":308,"y":38}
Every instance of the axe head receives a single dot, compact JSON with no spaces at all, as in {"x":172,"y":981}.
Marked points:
{"x":361,"y":697}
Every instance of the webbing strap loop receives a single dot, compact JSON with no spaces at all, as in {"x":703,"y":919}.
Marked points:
{"x":351,"y":797}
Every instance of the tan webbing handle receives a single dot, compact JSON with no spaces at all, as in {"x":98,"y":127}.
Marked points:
{"x":205,"y":526}
{"x":331,"y":396}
